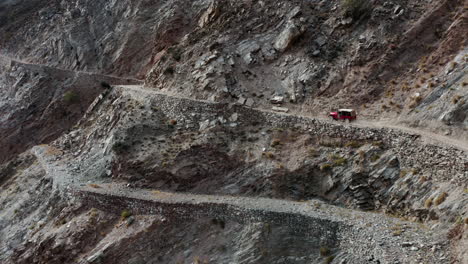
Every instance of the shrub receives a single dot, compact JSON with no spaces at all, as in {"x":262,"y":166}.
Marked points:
{"x":375,"y":158}
{"x":403,"y":173}
{"x":169,"y":71}
{"x":362,"y":155}
{"x":120,"y":147}
{"x":340,"y":161}
{"x":441,"y":198}
{"x":456,"y":99}
{"x":270,"y":155}
{"x":275,"y":142}
{"x":125,"y":214}
{"x":329,"y":259}
{"x":397,"y":232}
{"x":356,"y":8}
{"x":313,"y":153}
{"x":324,"y":251}
{"x":353,"y":144}
{"x":71,"y":97}
{"x":326,"y":166}
{"x":378,"y":144}
{"x":428,"y":202}
{"x":105,"y":85}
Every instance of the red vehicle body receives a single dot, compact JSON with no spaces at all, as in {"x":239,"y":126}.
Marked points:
{"x":344,"y":115}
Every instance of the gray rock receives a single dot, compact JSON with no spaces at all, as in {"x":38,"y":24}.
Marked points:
{"x":250,"y":102}
{"x":397,"y":9}
{"x":295,"y":12}
{"x":287,"y":36}
{"x":96,"y":258}
{"x":234,"y":117}
{"x":205,"y":124}
{"x":277,"y":100}
{"x":280,"y":109}
{"x":320,"y":41}
{"x":407,"y":244}
{"x":246,"y":50}
{"x":241,"y":101}
{"x":316,"y":53}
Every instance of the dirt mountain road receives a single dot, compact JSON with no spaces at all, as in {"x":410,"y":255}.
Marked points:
{"x":427,"y":136}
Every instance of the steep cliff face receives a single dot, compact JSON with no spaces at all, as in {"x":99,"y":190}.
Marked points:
{"x":180,"y":131}
{"x":117,"y":37}
{"x":399,"y":59}
{"x":39,"y":103}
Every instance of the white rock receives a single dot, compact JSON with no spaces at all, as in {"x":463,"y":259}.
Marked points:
{"x":234,"y":117}
{"x":277,"y":99}
{"x":241,"y":100}
{"x":287,"y":36}
{"x":280,"y":109}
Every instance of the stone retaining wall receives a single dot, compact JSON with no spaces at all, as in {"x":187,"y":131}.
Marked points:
{"x":314,"y":226}
{"x":354,"y":243}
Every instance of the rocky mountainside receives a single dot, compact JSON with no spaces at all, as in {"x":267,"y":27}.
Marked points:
{"x":194,"y":131}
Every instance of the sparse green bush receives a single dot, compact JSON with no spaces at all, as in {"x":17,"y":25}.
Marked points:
{"x":356,"y":8}
{"x":71,"y":97}
{"x":375,"y":158}
{"x":325,"y":166}
{"x":125,"y":214}
{"x":338,"y":160}
{"x":353,"y":144}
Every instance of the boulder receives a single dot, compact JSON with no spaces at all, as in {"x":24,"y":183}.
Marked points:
{"x":277,"y":99}
{"x":290,"y":32}
{"x":249,"y":102}
{"x":241,"y":101}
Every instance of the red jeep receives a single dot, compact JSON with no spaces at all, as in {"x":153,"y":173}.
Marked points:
{"x":344,"y":115}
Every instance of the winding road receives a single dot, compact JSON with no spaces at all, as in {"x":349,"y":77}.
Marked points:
{"x":427,"y":136}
